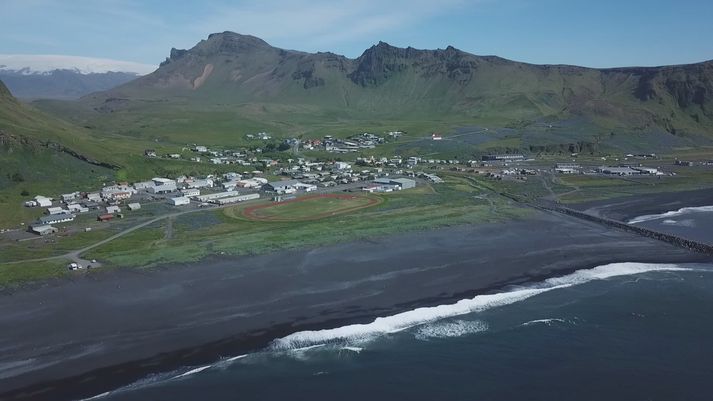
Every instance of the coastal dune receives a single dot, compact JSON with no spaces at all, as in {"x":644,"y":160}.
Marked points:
{"x":82,"y":337}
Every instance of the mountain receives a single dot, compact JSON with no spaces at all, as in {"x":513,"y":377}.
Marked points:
{"x":61,"y":84}
{"x":64,"y":77}
{"x":231,"y":81}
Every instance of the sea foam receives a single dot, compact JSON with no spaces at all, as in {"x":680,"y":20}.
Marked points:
{"x":416,"y":317}
{"x":302,"y":341}
{"x":457,"y":328}
{"x":672,"y":213}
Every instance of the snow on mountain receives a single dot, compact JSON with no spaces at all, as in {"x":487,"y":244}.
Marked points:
{"x":45,"y":64}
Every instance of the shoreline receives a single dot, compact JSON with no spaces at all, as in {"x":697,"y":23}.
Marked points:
{"x":626,"y":208}
{"x":309,"y":289}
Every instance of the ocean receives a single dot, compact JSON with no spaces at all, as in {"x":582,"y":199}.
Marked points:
{"x":694,"y":223}
{"x":624,"y":331}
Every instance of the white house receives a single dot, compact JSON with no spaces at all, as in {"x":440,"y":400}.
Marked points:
{"x":163,"y":185}
{"x":342,"y":166}
{"x":56,"y":210}
{"x":113,"y":209}
{"x":200,"y":183}
{"x":77,"y":208}
{"x":144,"y":185}
{"x":70,"y":196}
{"x":189,"y":192}
{"x":43,"y":201}
{"x":305,"y":187}
{"x":94,"y":197}
{"x":134,"y":206}
{"x":179,"y":201}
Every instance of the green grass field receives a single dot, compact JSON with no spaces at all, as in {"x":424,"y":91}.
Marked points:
{"x":458,"y":201}
{"x":309,"y":208}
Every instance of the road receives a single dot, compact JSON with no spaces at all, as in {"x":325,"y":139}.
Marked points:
{"x":75,"y":256}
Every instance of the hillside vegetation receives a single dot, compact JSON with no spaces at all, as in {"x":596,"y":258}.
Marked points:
{"x":230,"y":84}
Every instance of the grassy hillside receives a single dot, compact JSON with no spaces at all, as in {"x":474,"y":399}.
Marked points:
{"x":230,"y":84}
{"x":40,"y":154}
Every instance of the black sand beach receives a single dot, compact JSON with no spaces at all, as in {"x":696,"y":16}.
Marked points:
{"x":626,"y":208}
{"x":85,"y":336}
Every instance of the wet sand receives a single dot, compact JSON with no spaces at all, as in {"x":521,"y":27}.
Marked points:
{"x":626,"y":208}
{"x":82,"y":337}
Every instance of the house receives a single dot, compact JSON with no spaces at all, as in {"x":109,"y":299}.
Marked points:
{"x":436,"y":137}
{"x":617,"y":170}
{"x":305,"y":187}
{"x":105,"y":217}
{"x":235,"y":199}
{"x":232,"y":176}
{"x":433,"y":178}
{"x":150,"y":153}
{"x":117,"y":192}
{"x":144,"y":185}
{"x":566,"y":170}
{"x":91,"y":205}
{"x":189,"y":192}
{"x":56,"y":210}
{"x":201,"y":149}
{"x":77,"y":208}
{"x":250,"y":183}
{"x":43,"y":229}
{"x":179,"y":201}
{"x":503,"y":157}
{"x":55,"y":218}
{"x":218,"y":195}
{"x":648,"y":170}
{"x":285,"y":186}
{"x":174,"y":156}
{"x":342,"y":166}
{"x":401,"y":183}
{"x":162,"y":185}
{"x":94,"y":197}
{"x":43,"y":201}
{"x":69,"y":197}
{"x":113,"y":209}
{"x":134,"y":206}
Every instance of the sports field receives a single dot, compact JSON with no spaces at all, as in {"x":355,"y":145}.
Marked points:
{"x":310,"y":207}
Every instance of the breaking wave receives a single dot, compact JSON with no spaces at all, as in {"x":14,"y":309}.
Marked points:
{"x":548,"y":322}
{"x":402,"y":321}
{"x":457,"y":328}
{"x":672,"y":213}
{"x":428,"y":319}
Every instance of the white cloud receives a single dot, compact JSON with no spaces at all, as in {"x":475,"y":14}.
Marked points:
{"x":85,"y":65}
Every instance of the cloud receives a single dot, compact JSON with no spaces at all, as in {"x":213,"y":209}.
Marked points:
{"x":85,"y":65}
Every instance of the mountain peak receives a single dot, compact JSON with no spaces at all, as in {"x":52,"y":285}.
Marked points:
{"x":229,"y":36}
{"x":223,"y":42}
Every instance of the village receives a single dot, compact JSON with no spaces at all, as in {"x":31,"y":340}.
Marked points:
{"x":269,"y":179}
{"x":300,"y":176}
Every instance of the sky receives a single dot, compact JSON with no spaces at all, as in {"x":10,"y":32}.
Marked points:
{"x":593,"y":33}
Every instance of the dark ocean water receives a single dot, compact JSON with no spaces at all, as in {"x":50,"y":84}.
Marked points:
{"x":694,"y":223}
{"x":617,"y":332}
